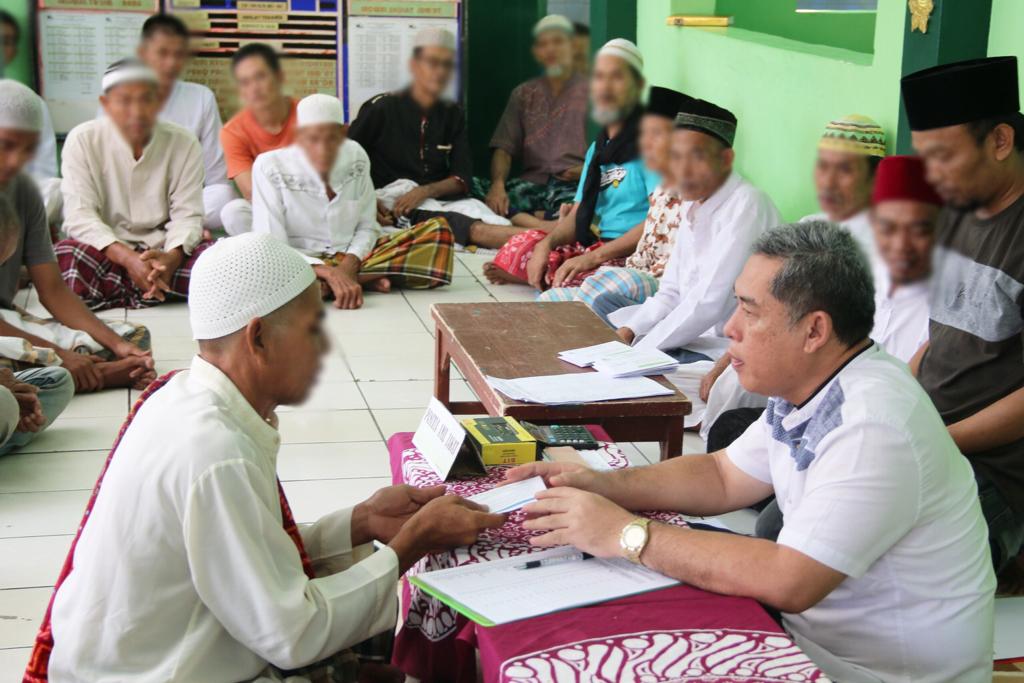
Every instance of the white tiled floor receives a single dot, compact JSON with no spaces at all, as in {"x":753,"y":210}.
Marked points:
{"x":376,"y":381}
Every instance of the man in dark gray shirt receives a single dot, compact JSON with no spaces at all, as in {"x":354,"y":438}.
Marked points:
{"x":966,"y":124}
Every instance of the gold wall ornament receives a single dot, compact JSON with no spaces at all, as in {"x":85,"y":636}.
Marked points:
{"x":920,"y":11}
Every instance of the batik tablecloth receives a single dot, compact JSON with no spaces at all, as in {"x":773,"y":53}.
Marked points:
{"x":677,"y":634}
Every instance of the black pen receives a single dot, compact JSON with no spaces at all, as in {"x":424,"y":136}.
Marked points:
{"x":537,"y":564}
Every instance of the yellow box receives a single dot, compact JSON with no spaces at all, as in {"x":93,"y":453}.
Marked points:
{"x":500,"y":440}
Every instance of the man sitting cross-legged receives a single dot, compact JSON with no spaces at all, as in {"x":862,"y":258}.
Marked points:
{"x":317,"y":196}
{"x":882,"y":569}
{"x":188,"y":565}
{"x":133,"y":198}
{"x":98,"y":354}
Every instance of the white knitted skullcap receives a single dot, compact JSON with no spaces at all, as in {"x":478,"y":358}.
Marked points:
{"x":625,"y":50}
{"x":241,"y":278}
{"x":128,"y":70}
{"x":20,"y":108}
{"x":556,"y":22}
{"x":434,"y":36}
{"x":319,"y":108}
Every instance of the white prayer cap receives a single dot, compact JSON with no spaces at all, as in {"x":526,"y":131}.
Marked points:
{"x":434,"y":36}
{"x":625,"y":50}
{"x":555,"y":22}
{"x":20,"y":108}
{"x":128,"y":70}
{"x":241,"y":278}
{"x":319,"y":108}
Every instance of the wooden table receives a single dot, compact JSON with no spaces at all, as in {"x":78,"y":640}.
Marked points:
{"x":511,"y":340}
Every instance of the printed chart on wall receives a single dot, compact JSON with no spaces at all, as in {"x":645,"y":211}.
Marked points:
{"x":379,"y":43}
{"x":304,"y":32}
{"x":78,"y":39}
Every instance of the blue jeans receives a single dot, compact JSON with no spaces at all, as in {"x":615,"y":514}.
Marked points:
{"x":56,"y":387}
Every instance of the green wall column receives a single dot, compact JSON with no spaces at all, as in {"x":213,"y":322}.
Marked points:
{"x":957,"y":30}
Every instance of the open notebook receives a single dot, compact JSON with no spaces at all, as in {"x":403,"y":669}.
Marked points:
{"x":501,"y":591}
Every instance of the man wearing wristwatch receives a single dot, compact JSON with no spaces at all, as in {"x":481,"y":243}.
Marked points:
{"x":882,"y":570}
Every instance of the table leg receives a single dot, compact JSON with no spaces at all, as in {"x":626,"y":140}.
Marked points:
{"x":672,"y":442}
{"x":442,"y":368}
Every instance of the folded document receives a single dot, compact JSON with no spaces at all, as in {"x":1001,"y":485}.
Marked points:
{"x":558,"y":390}
{"x":620,"y":360}
{"x":510,"y":497}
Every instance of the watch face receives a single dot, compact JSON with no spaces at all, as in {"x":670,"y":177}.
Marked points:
{"x":634,"y":536}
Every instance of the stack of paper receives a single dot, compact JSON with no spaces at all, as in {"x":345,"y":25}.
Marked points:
{"x":500,"y":591}
{"x":620,"y":360}
{"x":559,"y":390}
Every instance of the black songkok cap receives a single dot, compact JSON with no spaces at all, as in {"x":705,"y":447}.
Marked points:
{"x":963,"y":92}
{"x":708,"y":118}
{"x":664,"y":102}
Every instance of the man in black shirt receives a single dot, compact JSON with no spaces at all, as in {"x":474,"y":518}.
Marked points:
{"x":966,"y":124}
{"x":417,"y":135}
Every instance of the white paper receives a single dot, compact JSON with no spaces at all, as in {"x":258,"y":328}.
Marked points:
{"x":1009,"y":641}
{"x":378,"y":52}
{"x":511,"y":497}
{"x":633,"y":362}
{"x":577,"y":388}
{"x":585,"y":356}
{"x":439,"y":437}
{"x":75,"y":49}
{"x":500,"y":592}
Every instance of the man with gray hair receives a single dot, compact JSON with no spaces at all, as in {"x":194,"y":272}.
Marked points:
{"x":133,"y":198}
{"x":882,"y":570}
{"x":219,"y":584}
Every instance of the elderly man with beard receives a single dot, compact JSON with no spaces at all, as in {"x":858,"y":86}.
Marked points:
{"x":544,"y":127}
{"x":614,"y":189}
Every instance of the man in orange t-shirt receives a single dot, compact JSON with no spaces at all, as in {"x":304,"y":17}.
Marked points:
{"x":266,"y":122}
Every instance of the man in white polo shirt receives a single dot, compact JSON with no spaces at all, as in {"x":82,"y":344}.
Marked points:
{"x":882,"y":570}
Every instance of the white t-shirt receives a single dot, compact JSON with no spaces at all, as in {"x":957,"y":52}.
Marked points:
{"x":901,"y":316}
{"x":871,"y":484}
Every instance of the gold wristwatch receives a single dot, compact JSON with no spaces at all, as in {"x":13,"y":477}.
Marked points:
{"x":634,"y":537}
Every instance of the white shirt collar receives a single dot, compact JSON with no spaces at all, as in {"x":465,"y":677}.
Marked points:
{"x":206,"y":375}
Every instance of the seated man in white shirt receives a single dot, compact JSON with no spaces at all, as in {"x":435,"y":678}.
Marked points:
{"x":849,"y":151}
{"x":189,"y":565}
{"x":317,"y":196}
{"x":722,"y":216}
{"x":164,"y":47}
{"x":133,"y":198}
{"x":882,"y":571}
{"x":904,"y":209}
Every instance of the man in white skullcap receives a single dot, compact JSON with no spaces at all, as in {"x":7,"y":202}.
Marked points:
{"x":420,"y":159}
{"x":43,"y":166}
{"x":220,"y":584}
{"x":317,"y":196}
{"x":544,"y":128}
{"x":133,"y":198}
{"x":97,"y":354}
{"x":612,"y":196}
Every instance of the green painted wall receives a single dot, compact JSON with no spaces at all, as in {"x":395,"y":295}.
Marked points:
{"x":852,"y":31}
{"x":782,"y":91}
{"x":21,"y":69}
{"x":1006,"y":35}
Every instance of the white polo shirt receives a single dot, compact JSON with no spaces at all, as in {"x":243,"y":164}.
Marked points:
{"x":871,"y":484}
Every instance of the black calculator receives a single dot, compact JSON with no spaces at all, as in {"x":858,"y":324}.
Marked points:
{"x":576,"y":436}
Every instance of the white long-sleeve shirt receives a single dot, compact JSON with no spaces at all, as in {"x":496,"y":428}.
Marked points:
{"x":184,"y":572}
{"x":289,"y":201}
{"x":901,"y":316}
{"x":695,"y":297}
{"x":155,"y":201}
{"x":44,"y":162}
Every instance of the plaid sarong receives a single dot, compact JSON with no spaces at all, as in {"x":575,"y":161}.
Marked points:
{"x":103,"y":284}
{"x":515,"y":256}
{"x":527,"y":197}
{"x":636,"y":285}
{"x":420,"y":257}
{"x":37,"y":670}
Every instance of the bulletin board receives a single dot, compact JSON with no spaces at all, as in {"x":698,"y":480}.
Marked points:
{"x":77,"y":40}
{"x":353,"y":51}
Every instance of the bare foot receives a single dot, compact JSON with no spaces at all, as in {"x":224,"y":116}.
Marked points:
{"x":126,"y":372}
{"x":497,"y":276}
{"x":381,"y":284}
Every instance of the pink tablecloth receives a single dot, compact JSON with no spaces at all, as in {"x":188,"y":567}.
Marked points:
{"x":676,"y":634}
